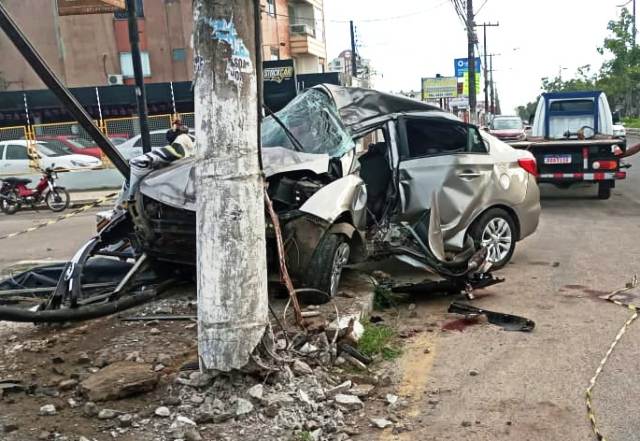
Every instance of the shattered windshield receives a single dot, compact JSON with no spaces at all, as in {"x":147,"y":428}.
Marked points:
{"x":313,"y":120}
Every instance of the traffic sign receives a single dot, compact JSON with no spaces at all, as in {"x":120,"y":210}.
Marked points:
{"x":461,"y":65}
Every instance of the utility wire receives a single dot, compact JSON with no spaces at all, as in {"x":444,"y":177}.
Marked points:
{"x":480,"y":8}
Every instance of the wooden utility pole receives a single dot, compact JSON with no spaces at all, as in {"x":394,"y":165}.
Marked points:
{"x":471,"y":41}
{"x":232,"y":269}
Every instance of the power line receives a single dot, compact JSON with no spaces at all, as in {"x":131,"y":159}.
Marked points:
{"x":480,"y":8}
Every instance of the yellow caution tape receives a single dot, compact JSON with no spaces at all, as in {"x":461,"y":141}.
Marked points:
{"x":63,"y":217}
{"x":603,"y":362}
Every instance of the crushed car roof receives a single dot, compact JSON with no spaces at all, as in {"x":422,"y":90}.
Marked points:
{"x":361,"y":108}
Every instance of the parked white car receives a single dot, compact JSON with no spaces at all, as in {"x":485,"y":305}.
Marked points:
{"x":14,"y":158}
{"x":133,"y":147}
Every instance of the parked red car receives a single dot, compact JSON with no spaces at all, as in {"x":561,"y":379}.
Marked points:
{"x":507,"y":128}
{"x":77,"y":144}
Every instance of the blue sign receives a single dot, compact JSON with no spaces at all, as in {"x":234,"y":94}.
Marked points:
{"x":461,"y":65}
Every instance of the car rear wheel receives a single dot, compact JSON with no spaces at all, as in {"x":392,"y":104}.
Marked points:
{"x":496,"y":231}
{"x":327,"y":263}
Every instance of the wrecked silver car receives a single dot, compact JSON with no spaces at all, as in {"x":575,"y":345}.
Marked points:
{"x":338,"y":203}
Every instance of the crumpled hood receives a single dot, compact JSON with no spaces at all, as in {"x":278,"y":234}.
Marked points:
{"x":175,"y":185}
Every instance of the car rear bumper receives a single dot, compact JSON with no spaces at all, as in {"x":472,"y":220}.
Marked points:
{"x":528,"y":211}
{"x":596,"y":176}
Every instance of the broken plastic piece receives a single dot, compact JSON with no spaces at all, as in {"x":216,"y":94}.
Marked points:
{"x":507,"y":322}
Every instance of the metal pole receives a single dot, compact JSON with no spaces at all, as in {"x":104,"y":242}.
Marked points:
{"x":493,"y":108}
{"x":354,"y":65}
{"x":486,"y":80}
{"x":471,"y":61}
{"x":44,"y":72}
{"x":230,"y":227}
{"x":635,"y":29}
{"x":141,"y":98}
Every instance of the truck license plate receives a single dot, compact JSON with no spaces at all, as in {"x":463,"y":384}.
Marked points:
{"x":557,"y":159}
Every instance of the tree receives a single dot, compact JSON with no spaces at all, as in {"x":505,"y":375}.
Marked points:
{"x":232,"y":267}
{"x":525,"y":112}
{"x":620,"y":75}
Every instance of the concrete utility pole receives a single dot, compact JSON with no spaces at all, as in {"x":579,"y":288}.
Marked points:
{"x":232,"y":267}
{"x":141,"y":97}
{"x":486,"y":77}
{"x":472,"y":60}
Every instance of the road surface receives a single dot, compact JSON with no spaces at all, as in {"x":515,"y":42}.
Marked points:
{"x":531,"y":387}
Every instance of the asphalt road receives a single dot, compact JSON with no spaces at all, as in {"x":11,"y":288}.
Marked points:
{"x":532,"y":386}
{"x":54,"y":242}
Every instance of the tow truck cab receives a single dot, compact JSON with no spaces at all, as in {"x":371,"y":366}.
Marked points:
{"x":572,"y":140}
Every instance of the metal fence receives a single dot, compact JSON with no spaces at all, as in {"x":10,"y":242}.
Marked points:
{"x":66,"y":138}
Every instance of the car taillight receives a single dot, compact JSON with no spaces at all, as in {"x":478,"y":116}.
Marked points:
{"x":529,"y":164}
{"x":604,"y":165}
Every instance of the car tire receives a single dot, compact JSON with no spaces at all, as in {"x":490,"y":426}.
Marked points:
{"x":604,"y":190}
{"x":327,"y":263}
{"x":495,"y":229}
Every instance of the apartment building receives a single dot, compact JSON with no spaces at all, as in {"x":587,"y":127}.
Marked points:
{"x":93,"y":50}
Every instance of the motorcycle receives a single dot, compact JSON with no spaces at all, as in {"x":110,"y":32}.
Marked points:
{"x":14,"y":193}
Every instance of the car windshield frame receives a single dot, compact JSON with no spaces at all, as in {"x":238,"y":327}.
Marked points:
{"x":511,"y":124}
{"x":313,"y":120}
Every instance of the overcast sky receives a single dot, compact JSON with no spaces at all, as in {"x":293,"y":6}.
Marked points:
{"x":410,"y":39}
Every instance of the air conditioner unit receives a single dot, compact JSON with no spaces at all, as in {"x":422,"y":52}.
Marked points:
{"x":115,"y":80}
{"x":303,"y":29}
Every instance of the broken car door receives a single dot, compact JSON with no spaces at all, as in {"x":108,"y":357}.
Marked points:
{"x":443,"y":156}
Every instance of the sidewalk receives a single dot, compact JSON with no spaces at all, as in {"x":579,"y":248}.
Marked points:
{"x":82,"y":198}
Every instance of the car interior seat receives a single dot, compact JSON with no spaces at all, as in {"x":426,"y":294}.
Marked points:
{"x":376,"y":174}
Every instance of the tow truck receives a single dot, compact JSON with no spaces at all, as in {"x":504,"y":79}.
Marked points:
{"x":572,"y":140}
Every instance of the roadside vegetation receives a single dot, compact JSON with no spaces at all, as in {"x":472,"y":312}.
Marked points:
{"x":379,"y":340}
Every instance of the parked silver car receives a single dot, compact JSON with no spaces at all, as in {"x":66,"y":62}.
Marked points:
{"x":429,"y":189}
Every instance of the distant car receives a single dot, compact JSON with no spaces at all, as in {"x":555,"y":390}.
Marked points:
{"x":78,"y":145}
{"x":133,"y":147}
{"x":14,"y":158}
{"x":507,"y":128}
{"x":620,"y":132}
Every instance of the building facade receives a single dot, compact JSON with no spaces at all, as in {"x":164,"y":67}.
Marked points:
{"x":93,"y":50}
{"x":343,"y":64}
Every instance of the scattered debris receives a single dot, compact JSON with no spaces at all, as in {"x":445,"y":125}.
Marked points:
{"x":163,"y":412}
{"x":48,"y":410}
{"x":256,"y":391}
{"x":381,"y":423}
{"x":107,"y":414}
{"x":350,"y":402}
{"x":119,"y":380}
{"x":505,"y":321}
{"x":474,"y":372}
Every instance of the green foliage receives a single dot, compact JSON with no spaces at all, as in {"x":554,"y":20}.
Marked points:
{"x":526,"y":112}
{"x":633,"y":123}
{"x":382,"y":298}
{"x":303,"y":436}
{"x":377,"y":340}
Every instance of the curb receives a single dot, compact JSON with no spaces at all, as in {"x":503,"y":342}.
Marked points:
{"x":633,"y":132}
